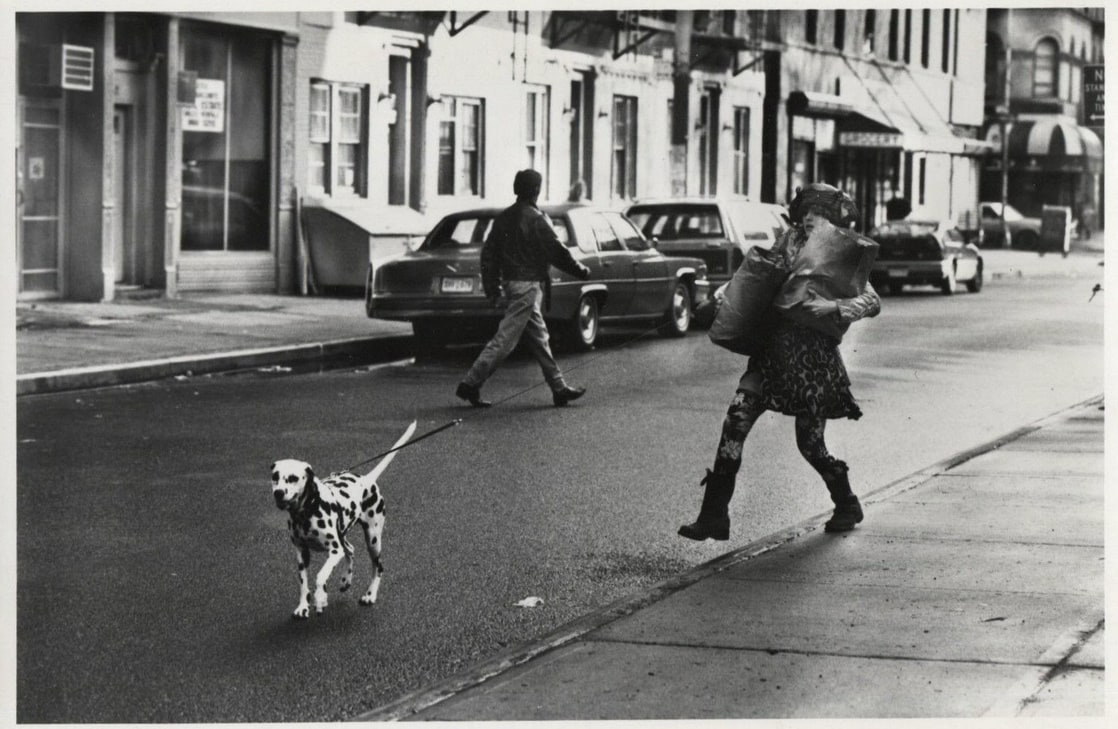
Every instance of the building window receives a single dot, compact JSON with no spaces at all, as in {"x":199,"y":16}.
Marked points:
{"x":925,"y":38}
{"x":811,"y":26}
{"x":535,"y":131}
{"x":460,"y":148}
{"x":923,"y":178}
{"x":869,"y":32}
{"x":945,"y":50}
{"x":624,"y":160}
{"x":840,"y":29}
{"x":741,"y":150}
{"x":894,"y":30}
{"x":1044,"y":69}
{"x":908,"y":36}
{"x":708,"y":141}
{"x":336,"y":152}
{"x":226,"y":152}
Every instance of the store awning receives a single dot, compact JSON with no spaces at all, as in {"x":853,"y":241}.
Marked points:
{"x":814,"y":103}
{"x":1055,"y":144}
{"x":892,"y":111}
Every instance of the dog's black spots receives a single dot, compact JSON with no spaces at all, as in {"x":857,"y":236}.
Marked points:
{"x":368,"y":501}
{"x":380,"y":508}
{"x":373,"y":541}
{"x":292,"y":478}
{"x":334,"y":550}
{"x":321,"y":523}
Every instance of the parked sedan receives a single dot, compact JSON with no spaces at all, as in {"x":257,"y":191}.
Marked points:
{"x":437,"y":287}
{"x":924,"y":252}
{"x":718,"y":231}
{"x":1024,"y":232}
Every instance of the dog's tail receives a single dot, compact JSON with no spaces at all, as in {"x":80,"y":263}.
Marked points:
{"x":373,"y":475}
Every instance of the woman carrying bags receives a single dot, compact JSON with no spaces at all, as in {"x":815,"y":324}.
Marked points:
{"x":799,"y":370}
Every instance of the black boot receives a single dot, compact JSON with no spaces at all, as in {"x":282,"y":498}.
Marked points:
{"x":714,"y":514}
{"x":848,"y":510}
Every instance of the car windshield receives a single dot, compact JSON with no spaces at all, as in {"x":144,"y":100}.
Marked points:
{"x":670,"y":222}
{"x":470,"y":232}
{"x":754,"y":222}
{"x":903,"y":229}
{"x":1011,"y":213}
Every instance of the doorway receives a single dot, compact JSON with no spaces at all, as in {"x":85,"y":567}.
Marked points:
{"x":39,"y":200}
{"x":125,"y":265}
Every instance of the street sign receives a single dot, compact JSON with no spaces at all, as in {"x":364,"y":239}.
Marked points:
{"x":877,"y":140}
{"x":1093,"y":99}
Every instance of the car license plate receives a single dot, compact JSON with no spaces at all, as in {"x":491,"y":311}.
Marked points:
{"x":452,"y":285}
{"x":898,"y":273}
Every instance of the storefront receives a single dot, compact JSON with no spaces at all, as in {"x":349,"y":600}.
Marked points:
{"x":1052,"y":161}
{"x":160,"y":160}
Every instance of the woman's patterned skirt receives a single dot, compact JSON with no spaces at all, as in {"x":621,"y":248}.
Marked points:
{"x":802,"y":373}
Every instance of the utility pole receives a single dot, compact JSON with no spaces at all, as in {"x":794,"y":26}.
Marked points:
{"x":681,"y":122}
{"x":1004,"y":118}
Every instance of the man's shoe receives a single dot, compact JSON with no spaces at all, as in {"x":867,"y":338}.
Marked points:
{"x":566,"y":395}
{"x":471,"y":395}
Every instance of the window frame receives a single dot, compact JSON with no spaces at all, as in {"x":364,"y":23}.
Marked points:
{"x":537,"y":102}
{"x":327,"y":181}
{"x":623,"y":186}
{"x":1048,"y":42}
{"x":462,"y":144}
{"x":840,"y":30}
{"x":742,"y":131}
{"x":811,"y":27}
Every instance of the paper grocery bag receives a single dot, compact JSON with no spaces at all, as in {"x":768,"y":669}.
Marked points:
{"x":744,"y":317}
{"x":832,"y":266}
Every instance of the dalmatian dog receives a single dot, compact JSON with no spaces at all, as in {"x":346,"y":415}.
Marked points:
{"x":320,"y":515}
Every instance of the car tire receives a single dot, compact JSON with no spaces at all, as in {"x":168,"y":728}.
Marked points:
{"x":677,"y":321}
{"x":949,"y":282}
{"x":975,"y":284}
{"x":429,"y":335}
{"x":1026,"y":240}
{"x":583,"y":328}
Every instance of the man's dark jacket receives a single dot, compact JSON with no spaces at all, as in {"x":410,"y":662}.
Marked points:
{"x":522,"y":247}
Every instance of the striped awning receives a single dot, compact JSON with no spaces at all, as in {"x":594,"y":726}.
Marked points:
{"x":1055,"y":145}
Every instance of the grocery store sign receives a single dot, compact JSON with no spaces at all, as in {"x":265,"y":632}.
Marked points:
{"x":878,"y":140}
{"x":207,"y":113}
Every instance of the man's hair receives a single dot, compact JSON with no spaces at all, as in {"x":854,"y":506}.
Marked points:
{"x":527,"y":183}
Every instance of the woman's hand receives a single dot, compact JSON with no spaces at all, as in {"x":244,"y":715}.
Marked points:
{"x":821,"y":308}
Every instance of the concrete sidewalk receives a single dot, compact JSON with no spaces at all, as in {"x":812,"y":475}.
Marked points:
{"x":974,"y":588}
{"x":64,"y":345}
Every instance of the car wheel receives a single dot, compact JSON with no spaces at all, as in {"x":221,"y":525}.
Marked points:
{"x":430,"y":336}
{"x":369,"y":292}
{"x":1026,"y":240}
{"x":947,"y":286}
{"x":584,"y":327}
{"x":975,"y":284}
{"x":678,"y":318}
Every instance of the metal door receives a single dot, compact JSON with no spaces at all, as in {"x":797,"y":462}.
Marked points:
{"x":39,"y":198}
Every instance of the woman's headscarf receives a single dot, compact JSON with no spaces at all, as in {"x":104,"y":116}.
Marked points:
{"x":833,"y":203}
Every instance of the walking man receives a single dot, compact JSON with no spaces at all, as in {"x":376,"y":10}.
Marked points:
{"x":517,"y":257}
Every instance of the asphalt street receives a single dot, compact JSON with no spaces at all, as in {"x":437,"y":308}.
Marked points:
{"x":154,"y":570}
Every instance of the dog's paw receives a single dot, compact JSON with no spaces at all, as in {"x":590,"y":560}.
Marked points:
{"x":367,"y":599}
{"x":301,"y":613}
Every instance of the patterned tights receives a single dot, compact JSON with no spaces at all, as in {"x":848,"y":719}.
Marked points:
{"x":743,"y":412}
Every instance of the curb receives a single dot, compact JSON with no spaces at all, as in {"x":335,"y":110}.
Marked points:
{"x":81,"y":378}
{"x":422,"y":699}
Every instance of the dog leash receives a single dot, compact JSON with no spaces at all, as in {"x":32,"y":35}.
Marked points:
{"x":459,"y":421}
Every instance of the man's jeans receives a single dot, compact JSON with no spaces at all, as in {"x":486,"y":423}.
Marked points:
{"x":522,"y":316}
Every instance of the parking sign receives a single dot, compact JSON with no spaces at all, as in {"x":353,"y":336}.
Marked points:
{"x":1093,"y":100}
